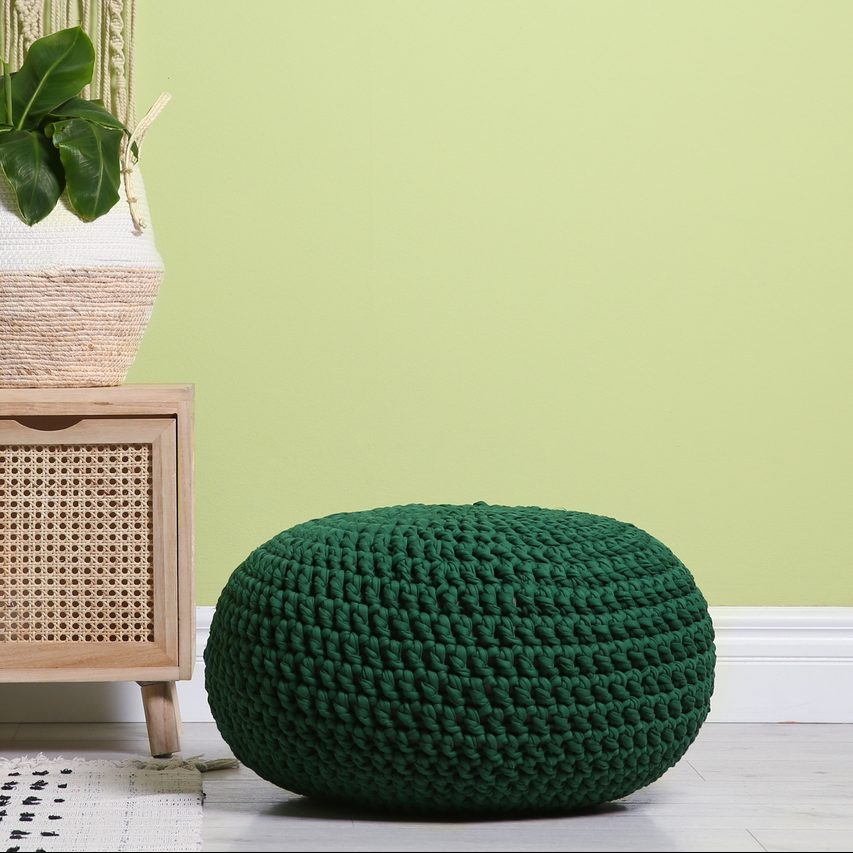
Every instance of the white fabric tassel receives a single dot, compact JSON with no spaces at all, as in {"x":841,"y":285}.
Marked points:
{"x":195,"y":762}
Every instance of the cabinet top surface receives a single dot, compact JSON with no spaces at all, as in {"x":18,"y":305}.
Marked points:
{"x":145,"y":398}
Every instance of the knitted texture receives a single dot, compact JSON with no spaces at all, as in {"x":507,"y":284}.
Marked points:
{"x":461,"y":659}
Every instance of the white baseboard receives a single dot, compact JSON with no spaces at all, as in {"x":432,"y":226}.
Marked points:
{"x":774,"y":664}
{"x":783,"y":664}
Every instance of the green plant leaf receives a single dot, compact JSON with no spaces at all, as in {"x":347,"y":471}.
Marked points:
{"x":33,"y":168}
{"x":94,"y":111}
{"x":4,"y":113}
{"x":90,"y":157}
{"x":55,"y":69}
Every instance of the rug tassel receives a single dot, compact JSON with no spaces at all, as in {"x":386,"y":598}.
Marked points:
{"x":194,"y":762}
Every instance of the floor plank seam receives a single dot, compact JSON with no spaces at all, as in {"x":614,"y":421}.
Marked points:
{"x":693,"y":768}
{"x":756,"y":840}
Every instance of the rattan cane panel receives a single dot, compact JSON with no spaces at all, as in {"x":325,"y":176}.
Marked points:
{"x":76,"y":543}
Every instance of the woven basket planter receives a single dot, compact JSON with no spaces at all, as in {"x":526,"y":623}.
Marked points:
{"x":75,"y":297}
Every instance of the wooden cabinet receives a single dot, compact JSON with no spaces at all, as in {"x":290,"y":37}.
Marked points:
{"x":96,"y":541}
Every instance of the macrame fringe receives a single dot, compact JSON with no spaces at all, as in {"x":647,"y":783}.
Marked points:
{"x":111,"y":24}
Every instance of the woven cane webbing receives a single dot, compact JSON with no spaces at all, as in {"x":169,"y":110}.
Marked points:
{"x":76,"y":543}
{"x":461,"y":658}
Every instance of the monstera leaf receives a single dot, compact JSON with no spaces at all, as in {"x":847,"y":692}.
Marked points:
{"x":33,"y":168}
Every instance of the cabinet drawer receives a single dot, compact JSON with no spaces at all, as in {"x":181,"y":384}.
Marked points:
{"x":88,"y":549}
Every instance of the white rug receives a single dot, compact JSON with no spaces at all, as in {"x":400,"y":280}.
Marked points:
{"x":57,"y":804}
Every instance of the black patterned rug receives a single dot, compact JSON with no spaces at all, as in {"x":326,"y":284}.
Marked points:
{"x":58,"y":804}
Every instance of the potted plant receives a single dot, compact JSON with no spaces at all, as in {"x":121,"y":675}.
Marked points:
{"x":78,"y":278}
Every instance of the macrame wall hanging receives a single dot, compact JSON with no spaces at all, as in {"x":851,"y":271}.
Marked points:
{"x":75,"y":296}
{"x":111,"y":25}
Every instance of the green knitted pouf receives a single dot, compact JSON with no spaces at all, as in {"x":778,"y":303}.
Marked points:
{"x":461,"y":659}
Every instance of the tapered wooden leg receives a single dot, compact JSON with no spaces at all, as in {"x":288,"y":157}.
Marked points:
{"x":162,"y":716}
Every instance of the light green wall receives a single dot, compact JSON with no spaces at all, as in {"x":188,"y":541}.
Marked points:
{"x":588,"y":255}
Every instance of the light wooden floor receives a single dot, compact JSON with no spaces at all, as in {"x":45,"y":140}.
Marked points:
{"x":741,"y":787}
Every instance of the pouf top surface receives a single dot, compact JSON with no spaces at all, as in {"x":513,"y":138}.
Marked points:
{"x":461,"y":658}
{"x":426,"y":541}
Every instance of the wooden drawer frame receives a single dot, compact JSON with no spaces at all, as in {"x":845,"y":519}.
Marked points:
{"x":162,"y":418}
